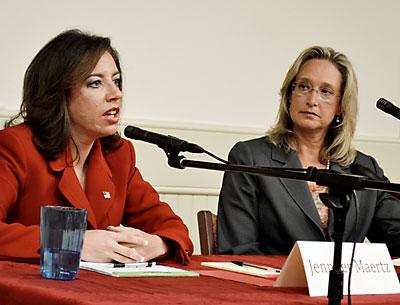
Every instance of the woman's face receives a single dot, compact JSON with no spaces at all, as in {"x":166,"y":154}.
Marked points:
{"x":315,"y":99}
{"x":94,"y":104}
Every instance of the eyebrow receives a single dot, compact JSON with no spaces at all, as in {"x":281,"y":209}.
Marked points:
{"x":102,"y":75}
{"x":321,"y":85}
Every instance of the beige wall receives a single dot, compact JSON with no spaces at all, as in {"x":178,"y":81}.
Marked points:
{"x":214,"y":61}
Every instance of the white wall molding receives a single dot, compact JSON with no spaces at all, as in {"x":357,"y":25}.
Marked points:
{"x":189,"y":126}
{"x":187,"y":190}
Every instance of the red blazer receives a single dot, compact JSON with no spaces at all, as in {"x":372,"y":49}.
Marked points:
{"x":28,"y":181}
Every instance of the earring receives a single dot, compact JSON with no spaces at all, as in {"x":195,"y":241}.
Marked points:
{"x":337,"y":119}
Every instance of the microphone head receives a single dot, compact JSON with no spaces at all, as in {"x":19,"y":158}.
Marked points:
{"x":162,"y":141}
{"x":134,"y":133}
{"x":382,"y":104}
{"x":388,"y":107}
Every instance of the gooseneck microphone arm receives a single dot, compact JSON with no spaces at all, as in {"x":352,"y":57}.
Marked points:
{"x":322,"y":177}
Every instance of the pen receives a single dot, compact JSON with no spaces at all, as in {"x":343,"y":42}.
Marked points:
{"x":119,"y":265}
{"x":133,"y":265}
{"x":239,"y":263}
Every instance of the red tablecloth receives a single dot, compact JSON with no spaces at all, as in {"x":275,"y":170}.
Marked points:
{"x":21,"y":283}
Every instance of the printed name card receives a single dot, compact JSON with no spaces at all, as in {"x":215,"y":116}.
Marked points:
{"x":309,"y":264}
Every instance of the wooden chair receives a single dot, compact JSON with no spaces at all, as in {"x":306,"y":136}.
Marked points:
{"x":207,"y":222}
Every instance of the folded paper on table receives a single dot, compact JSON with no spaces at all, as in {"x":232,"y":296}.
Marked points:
{"x":309,"y":264}
{"x":138,"y":270}
{"x":262,"y":271}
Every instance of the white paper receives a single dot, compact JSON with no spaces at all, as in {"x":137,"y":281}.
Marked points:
{"x":135,"y":271}
{"x":373,"y":271}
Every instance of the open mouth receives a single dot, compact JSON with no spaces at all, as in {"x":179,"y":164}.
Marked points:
{"x":113,"y":112}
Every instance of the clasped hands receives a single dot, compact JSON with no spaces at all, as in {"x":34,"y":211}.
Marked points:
{"x":122,"y":244}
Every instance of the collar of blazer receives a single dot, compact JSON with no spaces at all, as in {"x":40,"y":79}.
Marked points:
{"x":300,"y":194}
{"x":98,"y":183}
{"x":298,"y":189}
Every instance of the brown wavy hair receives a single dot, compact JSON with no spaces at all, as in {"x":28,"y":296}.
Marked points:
{"x":63,"y":62}
{"x":338,"y":147}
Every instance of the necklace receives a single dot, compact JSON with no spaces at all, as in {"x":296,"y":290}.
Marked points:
{"x":321,"y":208}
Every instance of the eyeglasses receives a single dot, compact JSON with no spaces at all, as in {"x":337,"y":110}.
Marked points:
{"x":325,"y":93}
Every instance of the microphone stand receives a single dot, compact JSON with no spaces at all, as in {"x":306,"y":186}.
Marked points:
{"x":335,"y":287}
{"x":338,"y":199}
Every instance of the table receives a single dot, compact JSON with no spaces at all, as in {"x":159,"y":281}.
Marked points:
{"x":21,"y":283}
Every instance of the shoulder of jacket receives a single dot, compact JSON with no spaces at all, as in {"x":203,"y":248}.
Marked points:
{"x":21,"y":133}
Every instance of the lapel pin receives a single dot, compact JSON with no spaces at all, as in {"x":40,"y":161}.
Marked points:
{"x":106,"y":195}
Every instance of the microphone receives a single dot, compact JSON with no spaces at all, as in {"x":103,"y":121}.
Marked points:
{"x":388,"y":107}
{"x":168,"y":143}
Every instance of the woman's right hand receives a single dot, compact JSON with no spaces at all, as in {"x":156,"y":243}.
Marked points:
{"x":106,"y":246}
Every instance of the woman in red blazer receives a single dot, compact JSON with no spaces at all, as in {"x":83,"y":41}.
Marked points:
{"x":67,"y":151}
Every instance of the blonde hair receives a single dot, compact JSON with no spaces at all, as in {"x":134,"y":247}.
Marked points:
{"x":338,"y":148}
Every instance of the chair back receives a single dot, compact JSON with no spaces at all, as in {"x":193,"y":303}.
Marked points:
{"x":207,"y":222}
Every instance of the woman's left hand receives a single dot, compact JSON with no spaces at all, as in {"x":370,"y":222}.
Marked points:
{"x":155,"y":246}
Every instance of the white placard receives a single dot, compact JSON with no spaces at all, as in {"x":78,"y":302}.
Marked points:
{"x":309,"y":263}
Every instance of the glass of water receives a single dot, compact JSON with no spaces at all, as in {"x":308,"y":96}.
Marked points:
{"x":61,"y":238}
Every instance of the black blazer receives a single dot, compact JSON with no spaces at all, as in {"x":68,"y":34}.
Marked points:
{"x":267,"y":215}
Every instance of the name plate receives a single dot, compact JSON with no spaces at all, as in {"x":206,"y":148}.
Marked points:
{"x":309,"y":264}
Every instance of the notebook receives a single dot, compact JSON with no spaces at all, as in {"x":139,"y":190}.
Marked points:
{"x":135,"y":269}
